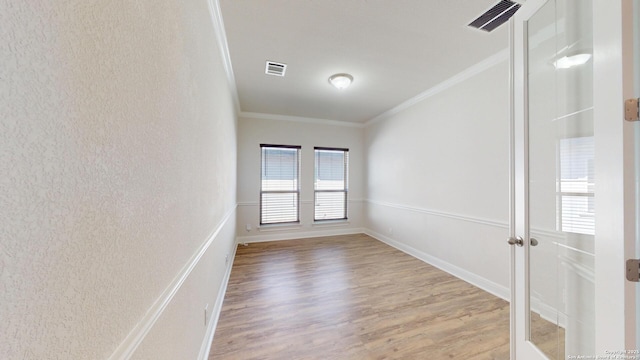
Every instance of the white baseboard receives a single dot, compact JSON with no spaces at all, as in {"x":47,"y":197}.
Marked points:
{"x":298,"y":235}
{"x":136,"y":336}
{"x":484,"y":284}
{"x":478,"y":281}
{"x":545,"y":311}
{"x":549,"y":313}
{"x":205,"y":348}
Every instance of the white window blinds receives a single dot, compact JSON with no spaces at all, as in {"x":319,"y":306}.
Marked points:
{"x":331,"y":183}
{"x":280,"y":184}
{"x":576,"y":195}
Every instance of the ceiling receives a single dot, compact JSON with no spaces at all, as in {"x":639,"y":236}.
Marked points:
{"x":394,"y":49}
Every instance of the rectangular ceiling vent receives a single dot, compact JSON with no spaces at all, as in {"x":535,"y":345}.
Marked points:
{"x":274,"y":68}
{"x":496,"y":16}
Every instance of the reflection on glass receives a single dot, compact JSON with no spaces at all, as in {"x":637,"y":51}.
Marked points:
{"x":561,"y":178}
{"x":575,"y":198}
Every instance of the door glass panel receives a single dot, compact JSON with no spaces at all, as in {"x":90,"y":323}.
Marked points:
{"x":636,"y":72}
{"x":561,"y":201}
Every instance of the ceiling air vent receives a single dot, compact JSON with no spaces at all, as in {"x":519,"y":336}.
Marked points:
{"x":496,"y":16}
{"x":274,"y":68}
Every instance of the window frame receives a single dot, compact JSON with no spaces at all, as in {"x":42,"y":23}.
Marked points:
{"x":345,"y":189}
{"x":297,"y":191}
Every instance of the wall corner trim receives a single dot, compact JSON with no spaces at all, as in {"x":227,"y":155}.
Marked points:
{"x":135,"y":337}
{"x":485,"y":64}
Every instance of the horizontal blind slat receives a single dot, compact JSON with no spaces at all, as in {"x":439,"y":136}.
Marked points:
{"x":279,"y":187}
{"x":577,"y":214}
{"x":331,"y":183}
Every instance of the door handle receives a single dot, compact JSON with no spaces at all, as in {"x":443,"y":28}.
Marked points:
{"x":533,"y":242}
{"x":515,"y":241}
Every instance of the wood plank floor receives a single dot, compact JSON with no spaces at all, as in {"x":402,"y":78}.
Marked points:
{"x":353,"y":297}
{"x":549,"y":338}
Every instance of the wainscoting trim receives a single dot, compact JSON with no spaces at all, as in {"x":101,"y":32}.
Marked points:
{"x":476,"y":220}
{"x":135,"y":337}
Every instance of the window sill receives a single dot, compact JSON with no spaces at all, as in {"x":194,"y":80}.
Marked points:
{"x":330,"y":223}
{"x":279,"y":227}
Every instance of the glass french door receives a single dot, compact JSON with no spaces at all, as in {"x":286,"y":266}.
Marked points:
{"x":569,"y":228}
{"x":636,"y":130}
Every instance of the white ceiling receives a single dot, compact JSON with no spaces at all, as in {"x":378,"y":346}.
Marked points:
{"x":395,"y":50}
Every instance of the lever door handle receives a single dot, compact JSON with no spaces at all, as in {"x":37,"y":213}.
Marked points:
{"x":515,"y":241}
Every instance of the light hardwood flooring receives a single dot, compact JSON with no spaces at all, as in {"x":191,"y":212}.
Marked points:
{"x":353,"y":297}
{"x":548,"y":337}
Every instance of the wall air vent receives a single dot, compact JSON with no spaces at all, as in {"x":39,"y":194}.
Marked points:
{"x":274,"y":68}
{"x":496,"y":16}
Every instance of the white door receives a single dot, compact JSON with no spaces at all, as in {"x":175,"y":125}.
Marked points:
{"x":636,"y":94}
{"x":573,"y":199}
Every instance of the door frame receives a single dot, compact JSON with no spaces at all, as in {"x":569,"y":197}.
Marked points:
{"x":615,"y":298}
{"x":521,"y":347}
{"x":615,"y":235}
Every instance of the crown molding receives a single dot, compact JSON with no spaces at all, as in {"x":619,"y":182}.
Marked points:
{"x":485,"y":64}
{"x":221,"y":37}
{"x":218,"y":24}
{"x":300,"y":119}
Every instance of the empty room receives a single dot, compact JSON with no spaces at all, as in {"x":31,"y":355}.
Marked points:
{"x":304,"y":179}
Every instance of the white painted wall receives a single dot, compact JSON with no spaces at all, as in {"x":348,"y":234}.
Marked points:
{"x":437,"y":177}
{"x":118,"y":181}
{"x":254,"y":130}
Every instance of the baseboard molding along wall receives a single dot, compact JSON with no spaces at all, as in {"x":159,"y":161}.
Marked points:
{"x":287,"y":234}
{"x":500,"y":291}
{"x":217,"y":309}
{"x":136,"y":336}
{"x":478,"y":281}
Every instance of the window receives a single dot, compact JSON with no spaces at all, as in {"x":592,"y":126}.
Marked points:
{"x":576,"y":195}
{"x":280,"y":185}
{"x":331,"y":183}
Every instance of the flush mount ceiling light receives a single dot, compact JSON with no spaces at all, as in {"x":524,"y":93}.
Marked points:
{"x":341,"y":81}
{"x":571,"y":61}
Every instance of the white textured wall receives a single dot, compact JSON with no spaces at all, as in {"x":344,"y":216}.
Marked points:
{"x":438,"y":179}
{"x":117,"y":150}
{"x":253,"y":132}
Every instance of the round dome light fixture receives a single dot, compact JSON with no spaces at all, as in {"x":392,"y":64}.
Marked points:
{"x":341,"y":81}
